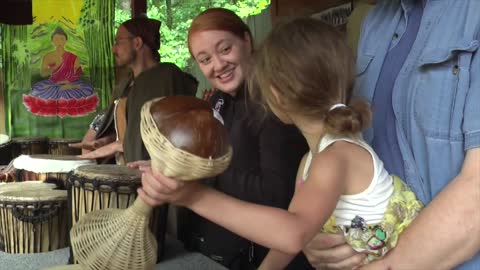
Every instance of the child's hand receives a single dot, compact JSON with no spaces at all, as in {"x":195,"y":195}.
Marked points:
{"x":158,"y":189}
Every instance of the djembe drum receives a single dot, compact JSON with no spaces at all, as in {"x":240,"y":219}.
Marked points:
{"x":30,"y":185}
{"x":33,"y":218}
{"x":185,"y":142}
{"x":47,"y":168}
{"x":59,"y":147}
{"x":95,"y":187}
{"x":5,"y":149}
{"x":29,"y":146}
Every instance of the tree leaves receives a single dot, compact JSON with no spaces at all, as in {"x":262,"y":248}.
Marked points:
{"x":173,"y":46}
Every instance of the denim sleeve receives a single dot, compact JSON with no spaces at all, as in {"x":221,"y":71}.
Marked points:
{"x":471,"y":119}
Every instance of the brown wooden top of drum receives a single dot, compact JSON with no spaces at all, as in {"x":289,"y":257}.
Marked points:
{"x":33,"y":195}
{"x":108,"y":172}
{"x":55,"y":157}
{"x":64,"y":140}
{"x":29,"y":139}
{"x":189,"y":124}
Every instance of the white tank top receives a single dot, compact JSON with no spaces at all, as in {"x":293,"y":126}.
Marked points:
{"x":369,"y":204}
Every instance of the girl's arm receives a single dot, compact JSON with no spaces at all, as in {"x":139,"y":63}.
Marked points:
{"x":276,"y":259}
{"x":285,"y":231}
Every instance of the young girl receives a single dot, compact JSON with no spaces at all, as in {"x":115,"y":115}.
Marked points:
{"x":304,"y":73}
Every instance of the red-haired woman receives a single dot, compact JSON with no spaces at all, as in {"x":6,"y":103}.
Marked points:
{"x":265,"y":153}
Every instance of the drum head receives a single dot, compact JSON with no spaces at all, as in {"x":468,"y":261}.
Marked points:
{"x":30,"y":139}
{"x":66,"y":267}
{"x":40,"y":195}
{"x":49,"y":163}
{"x":57,"y":157}
{"x":4,"y":139}
{"x":108,"y":172}
{"x":64,"y":140}
{"x":24,"y":186}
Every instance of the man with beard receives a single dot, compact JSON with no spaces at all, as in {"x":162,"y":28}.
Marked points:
{"x":136,"y":47}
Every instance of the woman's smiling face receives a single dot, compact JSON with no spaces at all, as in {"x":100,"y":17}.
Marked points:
{"x":222,"y":58}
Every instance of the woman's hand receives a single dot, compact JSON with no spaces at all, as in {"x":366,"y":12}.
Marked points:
{"x":331,"y":251}
{"x":158,"y":189}
{"x":139,"y":163}
{"x":207,"y":93}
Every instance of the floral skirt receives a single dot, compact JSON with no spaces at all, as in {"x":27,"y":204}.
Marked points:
{"x":377,"y":239}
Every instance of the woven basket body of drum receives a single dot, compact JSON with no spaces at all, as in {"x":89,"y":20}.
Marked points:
{"x":29,"y":146}
{"x":33,"y":221}
{"x":96,"y":187}
{"x":47,"y":168}
{"x":5,"y":149}
{"x":59,"y":147}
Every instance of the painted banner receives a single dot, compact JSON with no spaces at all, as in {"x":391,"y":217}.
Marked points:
{"x":55,"y":80}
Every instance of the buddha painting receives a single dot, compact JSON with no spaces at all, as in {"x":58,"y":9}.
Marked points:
{"x":63,"y":93}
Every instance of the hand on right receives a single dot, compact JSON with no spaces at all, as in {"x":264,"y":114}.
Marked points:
{"x":331,"y":251}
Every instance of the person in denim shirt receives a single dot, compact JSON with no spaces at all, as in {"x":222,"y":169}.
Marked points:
{"x":418,"y":64}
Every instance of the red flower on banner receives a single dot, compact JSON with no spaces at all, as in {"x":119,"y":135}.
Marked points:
{"x":60,"y":107}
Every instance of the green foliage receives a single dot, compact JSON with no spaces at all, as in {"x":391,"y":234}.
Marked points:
{"x":175,"y":23}
{"x":21,"y":52}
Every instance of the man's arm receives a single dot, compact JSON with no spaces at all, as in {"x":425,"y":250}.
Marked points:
{"x":90,"y":136}
{"x":451,"y":219}
{"x":104,"y":151}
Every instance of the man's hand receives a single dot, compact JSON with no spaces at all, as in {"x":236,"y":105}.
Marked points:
{"x":93,"y":144}
{"x":7,"y":173}
{"x":376,"y":265}
{"x":104,"y":151}
{"x":331,"y":251}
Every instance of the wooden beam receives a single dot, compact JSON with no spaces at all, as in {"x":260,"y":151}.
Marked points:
{"x":139,"y":7}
